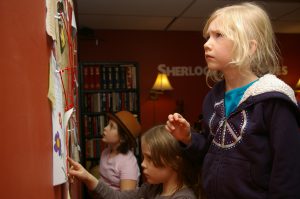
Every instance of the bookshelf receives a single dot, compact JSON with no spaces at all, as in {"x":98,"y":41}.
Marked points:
{"x":104,"y":87}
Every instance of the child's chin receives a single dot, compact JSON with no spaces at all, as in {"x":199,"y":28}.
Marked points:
{"x":149,"y":181}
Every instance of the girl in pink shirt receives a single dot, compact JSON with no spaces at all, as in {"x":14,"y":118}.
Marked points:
{"x":118,"y":165}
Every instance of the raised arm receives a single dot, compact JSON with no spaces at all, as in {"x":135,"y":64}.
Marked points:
{"x":99,"y":189}
{"x":179,"y":128}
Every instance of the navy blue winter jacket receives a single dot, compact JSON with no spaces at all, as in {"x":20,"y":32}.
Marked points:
{"x":254,"y":153}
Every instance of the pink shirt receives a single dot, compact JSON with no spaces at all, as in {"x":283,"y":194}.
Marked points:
{"x":121,"y":166}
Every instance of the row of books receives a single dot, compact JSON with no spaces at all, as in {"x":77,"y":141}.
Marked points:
{"x":109,"y":77}
{"x":93,"y":125}
{"x":94,"y":148}
{"x":110,"y":102}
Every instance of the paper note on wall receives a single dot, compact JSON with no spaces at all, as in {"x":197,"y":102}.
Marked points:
{"x":55,"y":94}
{"x":50,"y":18}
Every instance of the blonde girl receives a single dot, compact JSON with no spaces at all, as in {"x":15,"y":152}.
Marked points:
{"x":250,"y":143}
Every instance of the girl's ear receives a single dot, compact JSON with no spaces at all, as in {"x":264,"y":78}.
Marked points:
{"x":253,"y":47}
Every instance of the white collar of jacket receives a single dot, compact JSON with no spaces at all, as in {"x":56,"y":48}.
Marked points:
{"x":269,"y":83}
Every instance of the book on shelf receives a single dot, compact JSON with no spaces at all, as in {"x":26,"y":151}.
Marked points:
{"x":95,"y":102}
{"x":88,"y":103}
{"x":133,"y":70}
{"x":116,"y":77}
{"x":129,"y":76}
{"x":85,"y":125}
{"x":122,"y":76}
{"x":96,"y":79}
{"x":103,"y":75}
{"x":94,"y":148}
{"x":109,"y":76}
{"x":92,"y":77}
{"x":86,"y":78}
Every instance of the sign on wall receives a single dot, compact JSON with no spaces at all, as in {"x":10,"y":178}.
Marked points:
{"x":195,"y":70}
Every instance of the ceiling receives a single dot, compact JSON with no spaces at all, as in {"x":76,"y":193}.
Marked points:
{"x":174,"y":15}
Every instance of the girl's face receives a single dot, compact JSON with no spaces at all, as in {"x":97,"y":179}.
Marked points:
{"x":110,"y":133}
{"x":218,"y":48}
{"x":153,"y":174}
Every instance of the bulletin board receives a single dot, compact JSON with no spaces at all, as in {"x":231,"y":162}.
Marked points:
{"x":63,"y":86}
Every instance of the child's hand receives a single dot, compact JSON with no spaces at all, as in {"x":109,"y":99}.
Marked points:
{"x":78,"y":171}
{"x":179,"y":128}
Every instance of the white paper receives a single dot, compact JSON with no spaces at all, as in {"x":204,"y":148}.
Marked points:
{"x":55,"y":94}
{"x":50,"y":18}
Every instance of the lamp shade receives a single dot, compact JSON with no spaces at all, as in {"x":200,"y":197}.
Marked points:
{"x":162,"y":83}
{"x":297,"y":88}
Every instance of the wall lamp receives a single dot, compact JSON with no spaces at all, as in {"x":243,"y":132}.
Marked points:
{"x":161,"y":84}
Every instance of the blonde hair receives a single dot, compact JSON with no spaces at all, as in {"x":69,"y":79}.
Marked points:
{"x":242,"y":23}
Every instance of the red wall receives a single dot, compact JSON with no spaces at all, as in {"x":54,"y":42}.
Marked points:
{"x":26,"y":135}
{"x":151,"y":48}
{"x":289,"y":45}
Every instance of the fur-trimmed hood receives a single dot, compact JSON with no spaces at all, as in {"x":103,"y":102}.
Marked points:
{"x":269,"y":83}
